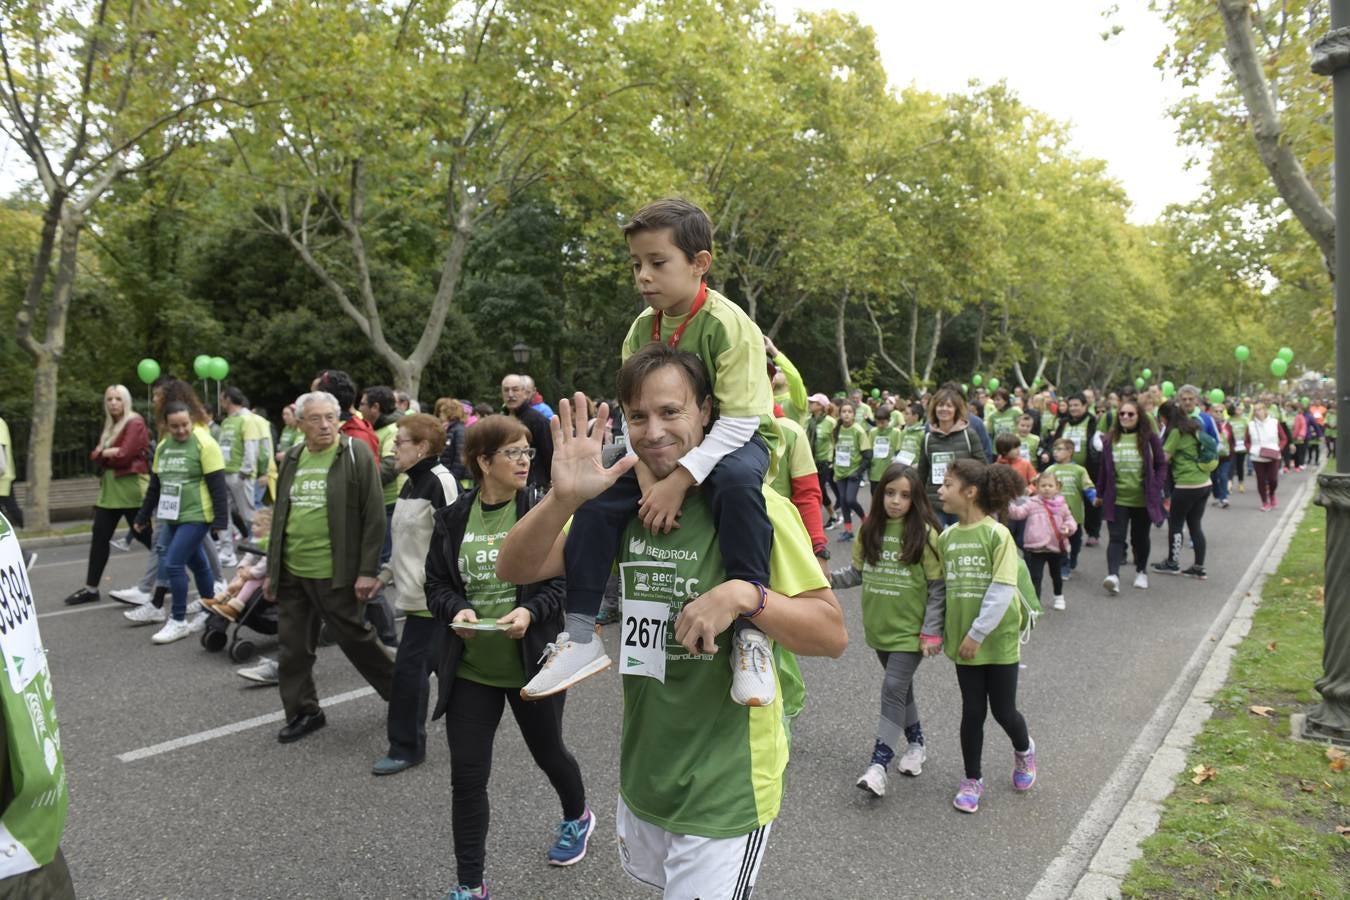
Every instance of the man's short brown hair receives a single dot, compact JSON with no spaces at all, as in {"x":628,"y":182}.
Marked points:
{"x":657,"y":355}
{"x":691,"y":229}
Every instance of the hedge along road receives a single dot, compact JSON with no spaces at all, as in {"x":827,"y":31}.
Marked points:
{"x":179,"y":788}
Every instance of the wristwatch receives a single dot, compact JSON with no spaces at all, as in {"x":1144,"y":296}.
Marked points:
{"x":823,"y":553}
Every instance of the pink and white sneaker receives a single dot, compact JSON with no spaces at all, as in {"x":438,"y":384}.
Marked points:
{"x":1024,"y":769}
{"x":968,"y":795}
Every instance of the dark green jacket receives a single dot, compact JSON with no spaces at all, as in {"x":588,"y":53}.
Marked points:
{"x":355,"y":512}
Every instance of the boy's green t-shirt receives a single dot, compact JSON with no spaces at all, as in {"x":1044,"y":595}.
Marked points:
{"x":308,"y":552}
{"x":1183,"y":455}
{"x":894,"y":593}
{"x":849,"y":445}
{"x":1031,"y":445}
{"x":911,"y":444}
{"x":732,"y":349}
{"x":974,"y":557}
{"x":1004,"y":422}
{"x":490,"y":657}
{"x":885,"y":444}
{"x":1079,"y":435}
{"x":1073,"y":480}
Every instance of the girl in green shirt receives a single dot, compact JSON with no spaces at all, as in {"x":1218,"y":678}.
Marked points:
{"x":903,"y":597}
{"x":852,"y":450}
{"x":983,"y":617}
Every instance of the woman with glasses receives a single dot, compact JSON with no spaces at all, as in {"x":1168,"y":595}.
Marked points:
{"x":1130,"y":478}
{"x":499,"y":632}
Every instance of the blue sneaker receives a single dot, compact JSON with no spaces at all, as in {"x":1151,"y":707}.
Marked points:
{"x":846,"y":537}
{"x":464,"y":892}
{"x":573,"y":835}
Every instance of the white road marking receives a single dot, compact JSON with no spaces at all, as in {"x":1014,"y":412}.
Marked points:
{"x":78,"y":609}
{"x":233,"y":728}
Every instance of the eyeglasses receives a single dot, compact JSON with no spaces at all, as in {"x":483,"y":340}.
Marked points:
{"x":1128,"y":415}
{"x":515,"y":454}
{"x":403,"y":442}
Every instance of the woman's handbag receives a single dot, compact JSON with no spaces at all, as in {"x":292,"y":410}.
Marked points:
{"x":1268,"y":453}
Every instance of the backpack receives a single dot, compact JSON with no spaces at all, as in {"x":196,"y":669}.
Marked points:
{"x":1207,"y":447}
{"x":1030,"y":603}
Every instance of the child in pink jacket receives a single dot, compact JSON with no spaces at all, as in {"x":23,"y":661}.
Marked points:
{"x":1045,"y":540}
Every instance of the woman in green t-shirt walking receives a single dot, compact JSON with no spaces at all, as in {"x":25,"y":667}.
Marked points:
{"x":483,"y":669}
{"x":120,"y":459}
{"x":1190,"y":489}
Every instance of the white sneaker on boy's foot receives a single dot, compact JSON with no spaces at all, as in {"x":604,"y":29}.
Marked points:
{"x":1141,"y":580}
{"x":146,"y":614}
{"x":132,"y":596}
{"x":565,"y":663}
{"x":1111,"y":584}
{"x":911,"y":762}
{"x":173,"y":630}
{"x":752,"y":669}
{"x":1059,"y":602}
{"x":873,"y":780}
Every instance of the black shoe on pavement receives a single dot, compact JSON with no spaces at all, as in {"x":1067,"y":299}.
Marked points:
{"x":300,"y":726}
{"x":1167,"y":567}
{"x":83,"y":595}
{"x":1196,"y":572}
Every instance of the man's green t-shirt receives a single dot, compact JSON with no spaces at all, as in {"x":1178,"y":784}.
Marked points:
{"x":490,"y":658}
{"x":1079,"y":435}
{"x":691,"y":761}
{"x":309,"y":546}
{"x":849,"y":445}
{"x":1073,"y":480}
{"x":1004,"y":422}
{"x":732,"y":349}
{"x":894,"y":593}
{"x":1129,"y":471}
{"x":974,"y":557}
{"x":182,"y":467}
{"x":232,"y":441}
{"x":1183,"y":455}
{"x":885,"y":444}
{"x":386,"y":437}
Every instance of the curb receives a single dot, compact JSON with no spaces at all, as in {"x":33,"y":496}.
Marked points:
{"x":59,"y":540}
{"x":1098,"y":853}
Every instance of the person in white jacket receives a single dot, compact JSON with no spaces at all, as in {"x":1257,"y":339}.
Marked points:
{"x":430,"y":487}
{"x":1265,"y":446}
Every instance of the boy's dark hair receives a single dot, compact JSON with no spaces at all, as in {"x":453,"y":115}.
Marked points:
{"x":235,"y":396}
{"x":1007,"y":443}
{"x":913,"y":535}
{"x":658,"y":355}
{"x":691,"y":229}
{"x":382,"y":396}
{"x":340,"y":385}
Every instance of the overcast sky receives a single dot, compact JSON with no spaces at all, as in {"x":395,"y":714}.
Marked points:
{"x":1051,"y":54}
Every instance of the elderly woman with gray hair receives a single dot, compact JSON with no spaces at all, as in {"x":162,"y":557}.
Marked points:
{"x":123,"y":472}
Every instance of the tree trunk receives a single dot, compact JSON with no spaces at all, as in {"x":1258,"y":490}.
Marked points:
{"x":839,"y":343}
{"x":933,"y":348}
{"x":979,"y":335}
{"x":1278,"y":157}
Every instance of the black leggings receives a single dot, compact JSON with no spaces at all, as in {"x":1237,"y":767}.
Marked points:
{"x":471,"y":721}
{"x":1037,"y":560}
{"x":825,"y":475}
{"x":1240,"y":466}
{"x":988,"y":687}
{"x":1135,"y":519}
{"x":1188,"y":508}
{"x":105,"y":526}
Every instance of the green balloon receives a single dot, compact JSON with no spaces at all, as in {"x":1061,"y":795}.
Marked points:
{"x":1139,"y":383}
{"x":993,"y":384}
{"x":1304,"y":400}
{"x":876,"y":393}
{"x":1286,"y":354}
{"x":220,"y":369}
{"x":1216,"y":396}
{"x":147,"y":370}
{"x":1241,"y":353}
{"x":1278,"y":366}
{"x":1168,"y":389}
{"x":1146,"y":374}
{"x":202,"y":365}
{"x":977,"y":379}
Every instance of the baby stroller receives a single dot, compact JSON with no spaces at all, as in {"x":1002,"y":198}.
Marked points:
{"x":258,"y":615}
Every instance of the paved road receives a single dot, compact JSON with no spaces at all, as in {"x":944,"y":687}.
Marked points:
{"x":241,"y":816}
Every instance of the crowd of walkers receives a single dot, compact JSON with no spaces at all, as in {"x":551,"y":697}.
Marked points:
{"x":494,"y":534}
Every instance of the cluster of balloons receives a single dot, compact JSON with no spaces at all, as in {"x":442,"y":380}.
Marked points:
{"x":213,"y":367}
{"x":1280,"y":364}
{"x":977,"y":379}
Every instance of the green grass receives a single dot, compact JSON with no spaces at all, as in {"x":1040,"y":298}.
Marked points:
{"x":1265,"y":824}
{"x":58,"y":531}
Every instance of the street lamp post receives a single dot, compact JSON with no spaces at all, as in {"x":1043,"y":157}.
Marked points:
{"x":520,"y":352}
{"x":1330,"y":719}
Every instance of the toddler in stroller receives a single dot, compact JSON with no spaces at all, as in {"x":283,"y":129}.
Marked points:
{"x":243,"y":605}
{"x":249,"y":575}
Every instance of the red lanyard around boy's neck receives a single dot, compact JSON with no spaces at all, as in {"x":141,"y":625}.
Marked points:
{"x":679,"y":332}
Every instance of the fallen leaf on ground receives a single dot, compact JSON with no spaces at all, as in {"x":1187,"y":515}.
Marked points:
{"x":1286,"y":581}
{"x":1338,"y":765}
{"x":1321,"y":598}
{"x":1337,"y":757}
{"x":1275,"y":881}
{"x":1204,"y":800}
{"x":1306,"y":786}
{"x":1343,"y":830}
{"x":1203,"y":773}
{"x":1271,"y":646}
{"x":1262,"y":711}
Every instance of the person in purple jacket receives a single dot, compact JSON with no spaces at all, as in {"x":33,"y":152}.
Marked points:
{"x":1130,"y":478}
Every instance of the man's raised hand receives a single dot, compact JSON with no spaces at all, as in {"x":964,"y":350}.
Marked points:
{"x":579,"y":471}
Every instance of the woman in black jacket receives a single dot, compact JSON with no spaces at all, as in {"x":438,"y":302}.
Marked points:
{"x":499,"y":633}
